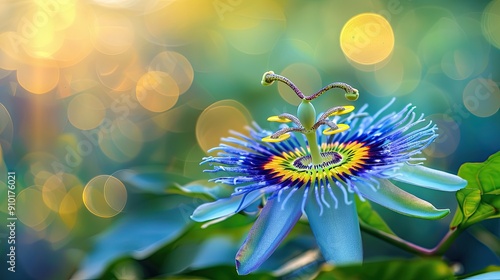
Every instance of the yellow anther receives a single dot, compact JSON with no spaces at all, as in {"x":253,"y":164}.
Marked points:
{"x":340,"y":127}
{"x":278,"y":119}
{"x":347,"y":109}
{"x":274,"y":140}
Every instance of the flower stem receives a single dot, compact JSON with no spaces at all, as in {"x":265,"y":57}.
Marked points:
{"x":438,"y":250}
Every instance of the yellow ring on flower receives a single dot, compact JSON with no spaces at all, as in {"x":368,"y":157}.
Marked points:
{"x":347,"y":109}
{"x":340,"y":127}
{"x":278,"y":119}
{"x":274,"y":140}
{"x":352,"y":159}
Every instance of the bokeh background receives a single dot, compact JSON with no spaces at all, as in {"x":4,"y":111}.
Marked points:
{"x":94,"y":92}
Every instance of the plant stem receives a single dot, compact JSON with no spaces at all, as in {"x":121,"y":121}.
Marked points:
{"x":438,"y":250}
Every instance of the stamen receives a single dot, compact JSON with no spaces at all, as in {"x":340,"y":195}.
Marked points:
{"x":277,"y":137}
{"x":278,"y":119}
{"x":341,"y":127}
{"x":281,"y":134}
{"x":284,"y":118}
{"x":336,"y":112}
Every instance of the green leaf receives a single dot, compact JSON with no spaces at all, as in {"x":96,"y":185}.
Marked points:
{"x":199,"y":248}
{"x":220,"y":273}
{"x":205,"y":188}
{"x":155,"y":180}
{"x":487,"y":238}
{"x":217,"y":245}
{"x":149,"y":179}
{"x":124,"y":268}
{"x":480,"y":199}
{"x":416,"y":269}
{"x":138,"y":234}
{"x":369,"y":217}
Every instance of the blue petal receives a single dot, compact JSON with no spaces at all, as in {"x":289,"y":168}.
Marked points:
{"x":429,"y":178}
{"x":224,"y":207}
{"x":394,"y":198}
{"x":485,"y":276}
{"x":336,"y":230}
{"x":275,"y":221}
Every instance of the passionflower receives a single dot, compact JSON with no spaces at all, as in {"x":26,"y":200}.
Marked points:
{"x":341,"y":154}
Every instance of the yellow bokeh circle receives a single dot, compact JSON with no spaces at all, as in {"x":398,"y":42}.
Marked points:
{"x":449,"y":136}
{"x":218,"y":119}
{"x":53,"y":192}
{"x":367,"y":39}
{"x":481,"y":97}
{"x":177,"y":66}
{"x":105,"y":196}
{"x":157,"y":91}
{"x":38,"y":78}
{"x":69,"y":206}
{"x":123,"y":142}
{"x":490,"y":20}
{"x":304,"y":76}
{"x":399,"y":76}
{"x":31,"y":209}
{"x":6,"y":128}
{"x":114,"y":33}
{"x":86,"y":111}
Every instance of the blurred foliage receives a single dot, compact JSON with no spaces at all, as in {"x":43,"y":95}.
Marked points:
{"x":167,"y":242}
{"x":139,"y":233}
{"x":394,"y":269}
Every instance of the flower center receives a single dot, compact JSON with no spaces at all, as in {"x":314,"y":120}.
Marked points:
{"x":339,"y":160}
{"x":329,"y":159}
{"x":306,"y":121}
